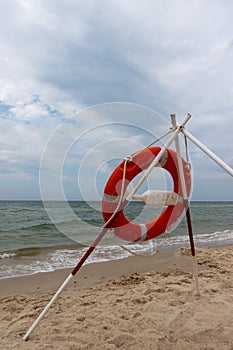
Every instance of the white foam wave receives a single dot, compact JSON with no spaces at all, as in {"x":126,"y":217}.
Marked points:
{"x":218,"y":237}
{"x":68,"y":258}
{"x":7,"y":255}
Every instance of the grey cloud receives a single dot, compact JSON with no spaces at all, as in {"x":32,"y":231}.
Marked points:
{"x":172,"y":56}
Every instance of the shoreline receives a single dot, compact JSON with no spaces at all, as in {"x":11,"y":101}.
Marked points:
{"x":91,"y":274}
{"x":31,"y":263}
{"x":95,"y":273}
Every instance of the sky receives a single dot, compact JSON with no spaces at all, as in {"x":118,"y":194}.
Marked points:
{"x":84,"y":84}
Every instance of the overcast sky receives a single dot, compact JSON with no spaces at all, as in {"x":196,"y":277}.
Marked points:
{"x":59,"y":58}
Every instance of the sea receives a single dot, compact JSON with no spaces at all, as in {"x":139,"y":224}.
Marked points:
{"x":31,"y":241}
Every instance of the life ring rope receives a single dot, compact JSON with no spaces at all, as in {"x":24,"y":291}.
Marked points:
{"x":119,"y":203}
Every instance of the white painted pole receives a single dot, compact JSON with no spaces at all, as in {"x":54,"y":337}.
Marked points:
{"x":186,"y":204}
{"x":39,"y":318}
{"x":209,"y":153}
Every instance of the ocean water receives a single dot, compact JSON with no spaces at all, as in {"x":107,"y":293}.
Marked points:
{"x":31,"y":241}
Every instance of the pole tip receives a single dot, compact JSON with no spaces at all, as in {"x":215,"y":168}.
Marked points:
{"x":173,"y":119}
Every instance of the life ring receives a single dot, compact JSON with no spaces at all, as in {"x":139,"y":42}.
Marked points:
{"x":133,"y":232}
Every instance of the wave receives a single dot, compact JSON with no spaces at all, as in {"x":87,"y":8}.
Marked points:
{"x":15,"y":210}
{"x":39,"y":226}
{"x":29,"y":227}
{"x":31,"y":251}
{"x":59,"y":259}
{"x":34,"y":227}
{"x":49,"y":225}
{"x":212,"y":238}
{"x":42,"y":259}
{"x":6,"y":255}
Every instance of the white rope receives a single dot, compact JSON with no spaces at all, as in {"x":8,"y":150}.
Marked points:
{"x":145,"y":254}
{"x":121,"y":194}
{"x":152,"y":143}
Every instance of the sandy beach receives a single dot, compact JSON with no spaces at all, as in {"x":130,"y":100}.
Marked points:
{"x":134,"y":303}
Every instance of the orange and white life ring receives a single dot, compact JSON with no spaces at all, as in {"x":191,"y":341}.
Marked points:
{"x":133,"y":232}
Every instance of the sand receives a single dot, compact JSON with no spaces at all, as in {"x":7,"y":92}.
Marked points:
{"x":134,"y":303}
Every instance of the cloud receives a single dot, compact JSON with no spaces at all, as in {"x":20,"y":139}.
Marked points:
{"x":59,"y":57}
{"x":80,"y":147}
